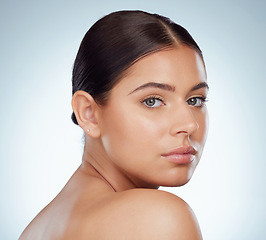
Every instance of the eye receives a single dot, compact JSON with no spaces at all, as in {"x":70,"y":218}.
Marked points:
{"x":196,"y":101}
{"x":153,"y":102}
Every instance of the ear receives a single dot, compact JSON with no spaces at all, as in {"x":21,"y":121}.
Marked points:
{"x":86,"y":111}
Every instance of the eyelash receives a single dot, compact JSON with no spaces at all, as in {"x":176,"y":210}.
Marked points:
{"x":201,"y":98}
{"x":203,"y":101}
{"x":152,"y":98}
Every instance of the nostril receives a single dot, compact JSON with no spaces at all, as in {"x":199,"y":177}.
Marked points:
{"x":185,"y":122}
{"x":187,"y":128}
{"x":185,"y":132}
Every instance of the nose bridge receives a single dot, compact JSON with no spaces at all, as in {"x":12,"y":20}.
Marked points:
{"x":184,"y":120}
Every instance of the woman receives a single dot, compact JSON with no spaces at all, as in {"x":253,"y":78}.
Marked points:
{"x":139,"y":92}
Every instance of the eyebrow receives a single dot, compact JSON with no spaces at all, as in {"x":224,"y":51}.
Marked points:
{"x":163,"y":86}
{"x":200,"y":85}
{"x":168,"y":87}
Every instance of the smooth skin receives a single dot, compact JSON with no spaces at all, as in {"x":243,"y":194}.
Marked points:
{"x":158,"y":106}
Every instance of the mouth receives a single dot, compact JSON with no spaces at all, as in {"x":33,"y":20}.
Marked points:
{"x":181,"y":155}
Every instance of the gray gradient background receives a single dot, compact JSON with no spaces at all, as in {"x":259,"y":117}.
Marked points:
{"x":40,"y":147}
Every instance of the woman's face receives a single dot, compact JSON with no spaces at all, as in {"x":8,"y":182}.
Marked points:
{"x":154,"y":126}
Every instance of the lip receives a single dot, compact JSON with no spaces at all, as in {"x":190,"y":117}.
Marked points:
{"x":181,"y":155}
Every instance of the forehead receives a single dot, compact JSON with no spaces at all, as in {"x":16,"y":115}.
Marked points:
{"x":180,"y":66}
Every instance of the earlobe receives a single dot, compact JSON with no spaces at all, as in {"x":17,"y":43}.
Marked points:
{"x":86,"y":112}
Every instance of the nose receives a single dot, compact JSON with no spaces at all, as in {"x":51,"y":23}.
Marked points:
{"x":184,"y":121}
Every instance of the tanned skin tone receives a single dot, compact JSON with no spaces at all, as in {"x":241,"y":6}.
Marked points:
{"x":156,"y":108}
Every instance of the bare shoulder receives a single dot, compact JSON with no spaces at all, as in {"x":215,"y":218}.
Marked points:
{"x":148,"y":214}
{"x":166,"y":215}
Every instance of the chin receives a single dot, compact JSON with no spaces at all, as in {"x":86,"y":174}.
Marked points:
{"x":176,"y":184}
{"x":176,"y":181}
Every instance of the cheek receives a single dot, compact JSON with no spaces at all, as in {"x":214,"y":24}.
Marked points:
{"x":203,"y":122}
{"x":128,"y":133}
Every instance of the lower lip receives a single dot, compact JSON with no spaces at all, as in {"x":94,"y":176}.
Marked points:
{"x":180,"y":158}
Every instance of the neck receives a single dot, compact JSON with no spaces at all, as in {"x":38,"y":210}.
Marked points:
{"x":95,"y":162}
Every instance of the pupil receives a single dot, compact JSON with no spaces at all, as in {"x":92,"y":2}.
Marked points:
{"x":193,"y":101}
{"x":150,"y":102}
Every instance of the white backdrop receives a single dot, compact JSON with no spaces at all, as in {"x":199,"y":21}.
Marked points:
{"x":40,"y":148}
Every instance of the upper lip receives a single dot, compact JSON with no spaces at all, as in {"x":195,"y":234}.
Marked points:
{"x":181,"y":150}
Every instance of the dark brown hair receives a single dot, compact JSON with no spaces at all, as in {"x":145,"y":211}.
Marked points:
{"x":115,"y":42}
